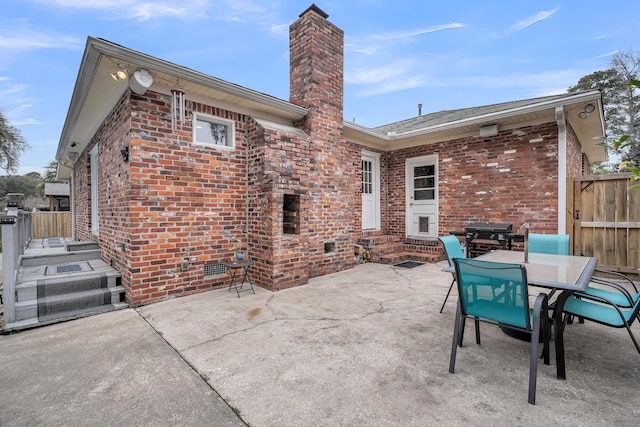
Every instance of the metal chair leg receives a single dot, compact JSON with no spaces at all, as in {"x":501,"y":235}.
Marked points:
{"x":447,"y":297}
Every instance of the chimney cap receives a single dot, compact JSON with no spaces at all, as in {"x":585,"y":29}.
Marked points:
{"x":316,"y":9}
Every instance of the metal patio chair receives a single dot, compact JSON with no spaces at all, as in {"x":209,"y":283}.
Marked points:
{"x":507,"y":305}
{"x":600,"y":309}
{"x":453,"y":250}
{"x":555,"y":244}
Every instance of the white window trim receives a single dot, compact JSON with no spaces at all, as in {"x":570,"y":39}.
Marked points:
{"x":231,"y":135}
{"x":93,"y":154}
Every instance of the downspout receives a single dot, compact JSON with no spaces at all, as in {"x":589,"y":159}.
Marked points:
{"x":72,"y":203}
{"x":246,"y":194}
{"x":562,"y":170}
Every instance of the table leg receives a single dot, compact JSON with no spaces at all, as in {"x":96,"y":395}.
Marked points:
{"x":558,"y":325}
{"x":246,"y":278}
{"x":233,"y":280}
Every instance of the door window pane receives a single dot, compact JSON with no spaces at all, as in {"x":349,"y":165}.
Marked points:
{"x":367,"y":177}
{"x":424,"y":182}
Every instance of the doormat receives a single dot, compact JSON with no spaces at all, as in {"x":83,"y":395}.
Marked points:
{"x":409,"y":264}
{"x":52,"y":270}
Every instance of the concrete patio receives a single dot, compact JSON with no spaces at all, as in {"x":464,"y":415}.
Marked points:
{"x":364,"y":347}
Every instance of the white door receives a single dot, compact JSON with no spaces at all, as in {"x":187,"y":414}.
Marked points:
{"x":370,"y":191}
{"x":422,"y":197}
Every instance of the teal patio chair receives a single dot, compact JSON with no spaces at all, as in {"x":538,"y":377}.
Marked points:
{"x":556,"y":244}
{"x":453,"y":250}
{"x":509,"y":308}
{"x":600,"y":309}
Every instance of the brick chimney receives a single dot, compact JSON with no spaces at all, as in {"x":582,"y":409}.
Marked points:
{"x":317,"y":72}
{"x":330,"y":181}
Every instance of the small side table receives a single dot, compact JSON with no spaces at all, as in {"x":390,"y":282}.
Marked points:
{"x":235,"y":267}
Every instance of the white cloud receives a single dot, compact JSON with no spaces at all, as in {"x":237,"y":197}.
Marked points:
{"x":146,"y":11}
{"x":606,"y":55}
{"x":527,"y":22}
{"x":373,"y":75}
{"x":279,"y":29}
{"x":371,"y":44}
{"x":12,"y":90}
{"x":393,"y":85}
{"x":28,"y":121}
{"x":406,"y":35}
{"x":223,"y":10}
{"x":25,"y":40}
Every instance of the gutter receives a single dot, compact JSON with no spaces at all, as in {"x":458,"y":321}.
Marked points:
{"x":587,"y":96}
{"x":95,"y":48}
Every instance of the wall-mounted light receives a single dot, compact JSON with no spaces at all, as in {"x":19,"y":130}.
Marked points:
{"x":589,"y":108}
{"x":140,"y":81}
{"x":72,"y":155}
{"x":490,"y":130}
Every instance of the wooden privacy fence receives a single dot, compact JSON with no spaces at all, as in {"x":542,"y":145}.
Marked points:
{"x":604,"y":220}
{"x":51,"y":224}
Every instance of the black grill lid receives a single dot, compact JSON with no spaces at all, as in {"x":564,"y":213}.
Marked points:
{"x":493,"y":227}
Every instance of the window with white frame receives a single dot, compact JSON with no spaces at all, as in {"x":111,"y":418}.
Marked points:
{"x":213,"y":131}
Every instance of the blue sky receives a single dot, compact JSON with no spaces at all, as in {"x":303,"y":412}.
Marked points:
{"x":444,"y":55}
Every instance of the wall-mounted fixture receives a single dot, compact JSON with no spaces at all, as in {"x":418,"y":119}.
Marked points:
{"x":72,"y":155}
{"x":589,"y":108}
{"x":184,"y":265}
{"x":120,"y":246}
{"x":120,"y":74}
{"x":490,"y":130}
{"x":140,"y":81}
{"x":177,"y":107}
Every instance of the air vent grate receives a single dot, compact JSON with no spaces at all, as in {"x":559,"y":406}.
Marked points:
{"x":214,"y":269}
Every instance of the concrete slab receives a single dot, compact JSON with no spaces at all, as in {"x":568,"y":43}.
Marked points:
{"x":107,"y":370}
{"x":364,"y":347}
{"x":368,"y":347}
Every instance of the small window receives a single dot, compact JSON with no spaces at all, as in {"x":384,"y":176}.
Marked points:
{"x":213,"y":131}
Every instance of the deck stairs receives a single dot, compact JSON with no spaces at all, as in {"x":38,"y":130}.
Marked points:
{"x":60,"y":280}
{"x":391,"y":249}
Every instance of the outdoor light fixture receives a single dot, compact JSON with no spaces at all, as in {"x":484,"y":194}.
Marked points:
{"x":589,"y":108}
{"x":121,"y":74}
{"x":140,"y":81}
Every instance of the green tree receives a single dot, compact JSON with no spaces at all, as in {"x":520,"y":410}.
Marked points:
{"x":49,"y":175}
{"x":27,"y":184}
{"x":11,"y":145}
{"x":621,"y":103}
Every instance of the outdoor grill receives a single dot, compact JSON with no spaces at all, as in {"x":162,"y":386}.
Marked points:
{"x":488,"y":234}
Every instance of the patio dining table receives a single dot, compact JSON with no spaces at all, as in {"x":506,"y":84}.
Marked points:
{"x":564,"y":273}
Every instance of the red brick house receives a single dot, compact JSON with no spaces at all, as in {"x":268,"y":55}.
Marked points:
{"x":171,"y":166}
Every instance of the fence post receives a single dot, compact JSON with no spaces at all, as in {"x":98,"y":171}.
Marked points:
{"x":9,"y":266}
{"x":16,"y":235}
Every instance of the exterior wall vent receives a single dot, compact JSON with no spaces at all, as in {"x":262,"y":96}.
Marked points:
{"x":214,"y":269}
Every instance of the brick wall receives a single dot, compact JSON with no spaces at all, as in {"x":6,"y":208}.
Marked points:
{"x":577,"y":163}
{"x":509,"y":178}
{"x":170,"y":201}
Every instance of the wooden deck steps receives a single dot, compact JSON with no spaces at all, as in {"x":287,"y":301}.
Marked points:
{"x":56,"y":283}
{"x":390,"y":249}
